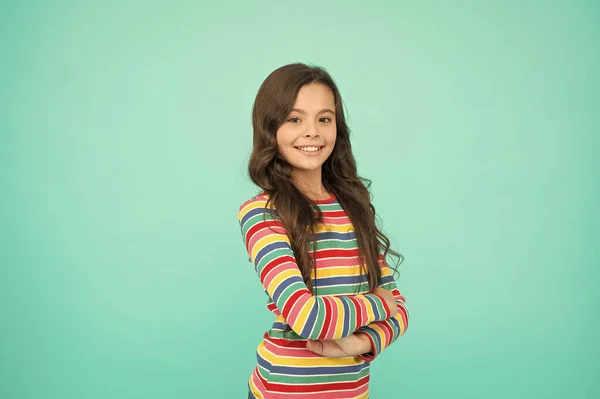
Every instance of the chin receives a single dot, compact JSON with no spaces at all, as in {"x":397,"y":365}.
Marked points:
{"x":301,"y":166}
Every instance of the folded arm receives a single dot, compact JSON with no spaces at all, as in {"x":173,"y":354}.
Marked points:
{"x":383,"y":333}
{"x":310,"y":316}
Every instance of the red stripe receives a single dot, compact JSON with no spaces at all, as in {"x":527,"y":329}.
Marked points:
{"x":337,"y":253}
{"x":285,"y":342}
{"x":274,"y":263}
{"x":327,"y":320}
{"x":292,"y":301}
{"x":404,"y":315}
{"x":388,"y":311}
{"x":356,"y":310}
{"x":366,"y":357}
{"x":334,"y":214}
{"x":259,"y":226}
{"x":317,"y":387}
{"x":385,"y":326}
{"x":271,"y":306}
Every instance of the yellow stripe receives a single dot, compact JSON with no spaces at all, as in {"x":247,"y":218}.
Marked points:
{"x":338,"y":271}
{"x":303,"y":314}
{"x":339,"y":328}
{"x":401,"y":322}
{"x":250,"y":206}
{"x":298,"y":361}
{"x":385,"y":271}
{"x":281,"y":276}
{"x":317,"y":361}
{"x":370,"y":312}
{"x":264,"y":353}
{"x":253,"y":387}
{"x":269,"y":239}
{"x":342,"y":228}
{"x":381,"y":334}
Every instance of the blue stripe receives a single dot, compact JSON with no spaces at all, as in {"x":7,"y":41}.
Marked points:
{"x":271,"y":247}
{"x":284,"y":285}
{"x":396,"y":323}
{"x":277,"y":325}
{"x":374,"y":306}
{"x":332,"y":235}
{"x":325,"y":281}
{"x":262,"y":362}
{"x":375,"y":336}
{"x":346,"y":327}
{"x":386,"y":280}
{"x":249,"y":214}
{"x":312,"y":318}
{"x":258,"y":211}
{"x":291,"y":370}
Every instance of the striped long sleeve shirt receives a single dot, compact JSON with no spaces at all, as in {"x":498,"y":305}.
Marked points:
{"x":341,"y":306}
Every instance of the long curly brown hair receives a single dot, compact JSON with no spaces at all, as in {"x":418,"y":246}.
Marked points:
{"x":298,"y":213}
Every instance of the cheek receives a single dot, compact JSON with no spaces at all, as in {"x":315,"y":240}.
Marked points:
{"x":331,"y":137}
{"x":284,"y":145}
{"x":284,"y":138}
{"x":332,"y":134}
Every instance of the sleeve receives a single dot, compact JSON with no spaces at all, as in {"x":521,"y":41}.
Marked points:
{"x":310,"y":316}
{"x":383,"y":333}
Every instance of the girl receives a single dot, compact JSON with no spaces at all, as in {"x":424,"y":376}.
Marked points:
{"x":312,"y":238}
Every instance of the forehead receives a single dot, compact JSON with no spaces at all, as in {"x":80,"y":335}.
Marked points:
{"x":314,"y":97}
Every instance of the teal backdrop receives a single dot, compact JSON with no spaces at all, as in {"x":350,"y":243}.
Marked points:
{"x":125,"y":134}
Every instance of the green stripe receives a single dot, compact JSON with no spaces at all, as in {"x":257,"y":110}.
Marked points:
{"x":319,"y":322}
{"x":268,"y":258}
{"x":335,"y":244}
{"x":345,"y":289}
{"x":352,"y":315}
{"x":291,"y":335}
{"x":315,"y":379}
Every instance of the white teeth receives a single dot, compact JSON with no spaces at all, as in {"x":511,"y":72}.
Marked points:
{"x":309,"y":149}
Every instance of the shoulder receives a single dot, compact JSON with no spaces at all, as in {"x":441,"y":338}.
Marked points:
{"x":256,"y":201}
{"x":252,"y":206}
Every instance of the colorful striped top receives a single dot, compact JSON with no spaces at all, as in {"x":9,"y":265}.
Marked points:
{"x":342,"y":306}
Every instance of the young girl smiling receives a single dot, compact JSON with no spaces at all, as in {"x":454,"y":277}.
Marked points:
{"x":314,"y":243}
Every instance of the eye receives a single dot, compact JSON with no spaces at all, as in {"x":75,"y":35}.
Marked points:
{"x":328,"y":119}
{"x":293,"y":119}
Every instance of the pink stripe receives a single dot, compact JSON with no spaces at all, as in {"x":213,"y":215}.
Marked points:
{"x":387,"y":334}
{"x":275,"y":271}
{"x":363,"y":311}
{"x":404,"y":314}
{"x":337,"y":221}
{"x":258,"y":382}
{"x":332,"y":262}
{"x":267,"y":230}
{"x":346,"y":394}
{"x":342,"y":394}
{"x":292,"y":317}
{"x":290,"y":351}
{"x":335,"y":312}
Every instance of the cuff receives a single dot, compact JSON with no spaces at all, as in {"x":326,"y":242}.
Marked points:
{"x":369,"y":356}
{"x":388,"y":312}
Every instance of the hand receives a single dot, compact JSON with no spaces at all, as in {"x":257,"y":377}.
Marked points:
{"x":389,"y":300}
{"x":352,"y":345}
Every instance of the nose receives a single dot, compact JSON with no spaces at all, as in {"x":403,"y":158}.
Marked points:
{"x":312,"y":131}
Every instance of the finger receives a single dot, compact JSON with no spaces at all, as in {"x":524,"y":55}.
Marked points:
{"x":315,"y":346}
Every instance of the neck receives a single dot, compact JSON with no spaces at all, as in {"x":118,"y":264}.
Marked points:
{"x":310,"y":183}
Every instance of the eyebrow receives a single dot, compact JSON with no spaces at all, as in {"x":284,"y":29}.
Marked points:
{"x":320,"y":112}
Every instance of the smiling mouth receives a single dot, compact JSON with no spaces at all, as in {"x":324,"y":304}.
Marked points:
{"x":310,"y":149}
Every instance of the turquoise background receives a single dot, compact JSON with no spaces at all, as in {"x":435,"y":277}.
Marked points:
{"x":125,"y":134}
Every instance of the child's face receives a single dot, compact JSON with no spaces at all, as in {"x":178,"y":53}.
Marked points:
{"x":310,"y":125}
